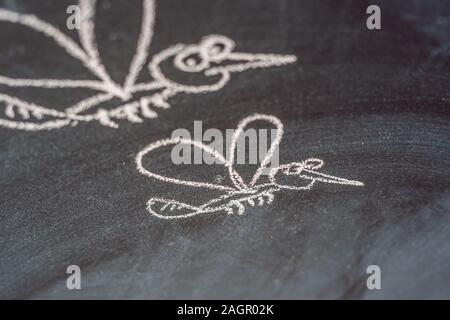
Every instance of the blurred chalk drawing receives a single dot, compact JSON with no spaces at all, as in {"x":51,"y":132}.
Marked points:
{"x":214,"y":58}
{"x":301,"y":176}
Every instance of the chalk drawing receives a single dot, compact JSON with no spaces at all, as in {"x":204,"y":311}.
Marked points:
{"x":236,"y":197}
{"x":213,"y":57}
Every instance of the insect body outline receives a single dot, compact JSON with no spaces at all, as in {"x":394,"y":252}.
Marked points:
{"x":241,"y":193}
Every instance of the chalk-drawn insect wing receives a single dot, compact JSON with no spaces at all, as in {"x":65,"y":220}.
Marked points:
{"x":187,"y":188}
{"x":68,"y":69}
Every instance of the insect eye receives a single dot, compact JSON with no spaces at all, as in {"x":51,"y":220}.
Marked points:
{"x":217,"y":47}
{"x":293,"y":168}
{"x":191,"y":60}
{"x":313,"y":164}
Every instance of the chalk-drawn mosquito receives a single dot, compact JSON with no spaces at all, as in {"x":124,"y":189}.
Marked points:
{"x":214,"y":58}
{"x":236,"y":197}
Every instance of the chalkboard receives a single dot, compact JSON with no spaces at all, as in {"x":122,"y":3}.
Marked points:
{"x":372,"y":104}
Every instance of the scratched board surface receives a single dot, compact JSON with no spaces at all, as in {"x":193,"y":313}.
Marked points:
{"x":373,"y":105}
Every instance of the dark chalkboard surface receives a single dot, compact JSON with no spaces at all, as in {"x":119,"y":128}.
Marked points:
{"x":373,"y":104}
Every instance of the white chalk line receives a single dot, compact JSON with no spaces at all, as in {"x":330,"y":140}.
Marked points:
{"x":238,"y":196}
{"x":212,"y":50}
{"x":143,"y":46}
